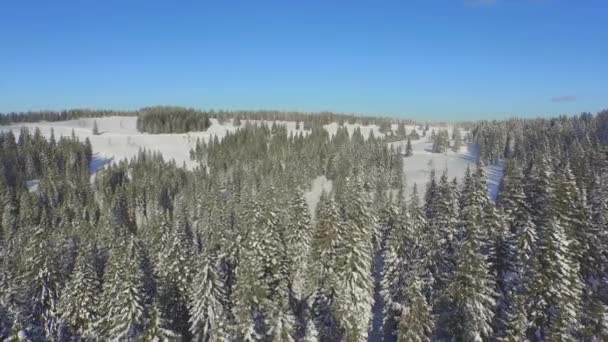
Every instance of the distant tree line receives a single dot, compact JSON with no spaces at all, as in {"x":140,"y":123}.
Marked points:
{"x":31,"y":156}
{"x":157,"y":120}
{"x":187,"y":119}
{"x":71,"y":114}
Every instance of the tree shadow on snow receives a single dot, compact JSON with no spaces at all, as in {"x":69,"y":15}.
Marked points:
{"x":98,"y":163}
{"x":472,"y":154}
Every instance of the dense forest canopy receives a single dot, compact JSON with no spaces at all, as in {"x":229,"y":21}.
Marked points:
{"x":232,"y":251}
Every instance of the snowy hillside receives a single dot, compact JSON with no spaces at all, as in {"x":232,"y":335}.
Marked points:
{"x":119,"y":139}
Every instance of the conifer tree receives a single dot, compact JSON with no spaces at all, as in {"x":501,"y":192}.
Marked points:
{"x":175,"y":274}
{"x":326,"y":241}
{"x":298,"y":235}
{"x":156,"y":328}
{"x":10,"y":214}
{"x":404,"y":254}
{"x":95,"y":128}
{"x":554,"y":287}
{"x":123,"y":301}
{"x":355,"y":284}
{"x":517,"y":213}
{"x":408,"y":148}
{"x":41,"y":281}
{"x":80,"y":301}
{"x":457,"y":137}
{"x":261,"y":288}
{"x":416,"y":321}
{"x":394,"y":270}
{"x":471,"y":291}
{"x":502,"y":261}
{"x":207,"y":322}
{"x":444,"y":233}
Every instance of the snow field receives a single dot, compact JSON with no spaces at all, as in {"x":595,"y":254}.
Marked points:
{"x":119,"y":139}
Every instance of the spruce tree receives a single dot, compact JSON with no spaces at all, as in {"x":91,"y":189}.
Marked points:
{"x":41,"y":281}
{"x":443,"y":236}
{"x":394,"y":270}
{"x":261,"y":288}
{"x":457,"y":137}
{"x":554,"y":287}
{"x":408,"y":148}
{"x":156,"y":328}
{"x":95,"y":128}
{"x":404,"y":258}
{"x":175,"y":272}
{"x":355,"y":283}
{"x":326,"y":241}
{"x":298,"y":235}
{"x":123,"y":306}
{"x":207,"y":321}
{"x":471,"y":290}
{"x":416,"y":321}
{"x":80,"y":301}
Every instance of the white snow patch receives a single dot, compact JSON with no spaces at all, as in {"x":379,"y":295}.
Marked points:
{"x":417,"y":168}
{"x":32,"y":185}
{"x":312,"y":196}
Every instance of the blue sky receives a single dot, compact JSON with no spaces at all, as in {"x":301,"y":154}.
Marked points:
{"x":423,"y":59}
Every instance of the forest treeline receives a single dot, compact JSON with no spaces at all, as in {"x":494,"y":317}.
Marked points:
{"x":173,"y":119}
{"x":157,"y":120}
{"x":231,"y":250}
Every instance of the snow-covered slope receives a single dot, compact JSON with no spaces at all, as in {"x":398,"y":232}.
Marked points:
{"x":119,"y":139}
{"x":417,"y":168}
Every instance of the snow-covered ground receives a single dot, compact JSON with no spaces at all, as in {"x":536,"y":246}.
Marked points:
{"x":417,"y":168}
{"x":119,"y":139}
{"x":317,"y":187}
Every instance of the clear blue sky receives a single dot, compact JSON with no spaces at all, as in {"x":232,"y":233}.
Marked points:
{"x":424,"y":59}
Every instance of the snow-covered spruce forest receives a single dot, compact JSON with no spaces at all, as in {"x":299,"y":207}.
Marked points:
{"x":273,"y":226}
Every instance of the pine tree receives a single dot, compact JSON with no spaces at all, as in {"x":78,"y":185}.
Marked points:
{"x":394,"y":270}
{"x":40,"y":280}
{"x":559,"y":288}
{"x":123,"y":301}
{"x":457,"y":137}
{"x":401,"y":132}
{"x":175,"y":274}
{"x":554,"y":287}
{"x":156,"y":328}
{"x":408,"y":148}
{"x":443,"y":236}
{"x":10,"y":214}
{"x":207,"y":320}
{"x":517,"y":213}
{"x":416,"y":322}
{"x":261,"y":288}
{"x":471,"y":291}
{"x":326,"y":241}
{"x":355,"y":283}
{"x":298,"y":235}
{"x":95,"y":128}
{"x":79,"y":303}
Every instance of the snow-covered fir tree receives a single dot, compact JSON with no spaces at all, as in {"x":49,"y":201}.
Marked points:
{"x":79,"y":303}
{"x":327,"y":239}
{"x":208,"y":320}
{"x":122,"y":305}
{"x":470,"y":293}
{"x":416,"y":321}
{"x":354,"y":264}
